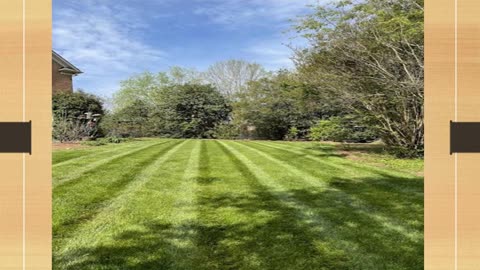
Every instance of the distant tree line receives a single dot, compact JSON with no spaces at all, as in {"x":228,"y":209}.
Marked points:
{"x":360,"y":79}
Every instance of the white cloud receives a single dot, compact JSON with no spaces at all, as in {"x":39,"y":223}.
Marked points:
{"x":100,"y":40}
{"x":232,"y":12}
{"x":271,"y":54}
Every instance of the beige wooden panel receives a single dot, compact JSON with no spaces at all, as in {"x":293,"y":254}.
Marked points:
{"x":439,"y":110}
{"x":11,"y":110}
{"x":468,"y":110}
{"x":39,"y":97}
{"x":38,"y":103}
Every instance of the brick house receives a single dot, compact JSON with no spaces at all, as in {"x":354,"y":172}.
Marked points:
{"x":62,"y":74}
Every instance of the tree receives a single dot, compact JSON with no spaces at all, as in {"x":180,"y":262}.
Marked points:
{"x":130,"y":121}
{"x":346,"y":128}
{"x":69,"y":112}
{"x":232,"y":76}
{"x":369,"y":54}
{"x":191,"y":111}
{"x":146,"y":87}
{"x":73,"y":105}
{"x":172,"y":103}
{"x":270,"y":106}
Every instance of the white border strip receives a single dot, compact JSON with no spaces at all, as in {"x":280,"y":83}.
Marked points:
{"x":23,"y":155}
{"x":456,"y":119}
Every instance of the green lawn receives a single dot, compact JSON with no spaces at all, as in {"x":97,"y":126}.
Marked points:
{"x":193,"y":204}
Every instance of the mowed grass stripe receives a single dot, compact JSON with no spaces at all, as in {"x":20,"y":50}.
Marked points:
{"x":79,"y":201}
{"x":237,"y":205}
{"x":65,"y":157}
{"x":289,"y":169}
{"x":285,"y":196}
{"x":331,"y":155}
{"x":357,"y":203}
{"x":188,"y":184}
{"x":137,"y":183}
{"x":407,"y":185}
{"x":333,"y":167}
{"x":62,"y":156}
{"x":322,"y":166}
{"x":399,"y":187}
{"x":271,"y":183}
{"x":140,"y":227}
{"x":221,"y":217}
{"x":184,"y":212}
{"x":292,"y":162}
{"x":273,"y":230}
{"x":302,"y":198}
{"x":76,"y":171}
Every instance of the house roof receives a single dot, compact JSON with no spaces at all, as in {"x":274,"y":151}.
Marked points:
{"x":67,"y":67}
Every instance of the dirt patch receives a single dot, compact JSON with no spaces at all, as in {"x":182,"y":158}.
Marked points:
{"x":372,"y":161}
{"x":67,"y":146}
{"x":351,"y":155}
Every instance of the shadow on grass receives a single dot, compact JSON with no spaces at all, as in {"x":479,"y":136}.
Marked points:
{"x":335,"y":236}
{"x":367,"y":148}
{"x":291,"y":229}
{"x":88,"y":204}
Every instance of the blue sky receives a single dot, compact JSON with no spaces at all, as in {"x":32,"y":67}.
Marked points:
{"x":112,"y":39}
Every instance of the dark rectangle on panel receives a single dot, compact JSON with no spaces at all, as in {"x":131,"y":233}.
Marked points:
{"x":464,"y":137}
{"x":16,"y":137}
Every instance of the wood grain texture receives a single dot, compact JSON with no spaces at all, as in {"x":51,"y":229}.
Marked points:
{"x":468,"y":110}
{"x":439,"y":110}
{"x":11,"y":110}
{"x":38,"y":110}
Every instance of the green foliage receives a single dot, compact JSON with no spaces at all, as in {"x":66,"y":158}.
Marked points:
{"x":94,"y":143}
{"x":227,"y":131}
{"x":341,"y":129}
{"x":403,"y":152}
{"x":114,"y":139}
{"x":191,"y":111}
{"x":68,"y":109}
{"x":73,"y":105}
{"x":273,"y":105}
{"x":292,"y":134}
{"x":171,"y":104}
{"x":328,"y":130}
{"x":369,"y":56}
{"x":133,"y":120}
{"x":147,"y":87}
{"x":105,"y":141}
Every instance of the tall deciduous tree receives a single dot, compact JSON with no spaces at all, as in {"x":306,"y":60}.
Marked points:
{"x":232,"y":76}
{"x":191,"y":110}
{"x":146,"y":87}
{"x":370,"y":55}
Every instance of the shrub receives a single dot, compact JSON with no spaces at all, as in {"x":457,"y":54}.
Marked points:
{"x":69,"y":110}
{"x":74,"y":105}
{"x":342,"y":129}
{"x":113,"y":140}
{"x":328,"y":130}
{"x":403,"y":152}
{"x":133,"y":120}
{"x":94,"y":143}
{"x":68,"y":130}
{"x":104,"y":141}
{"x":191,"y":111}
{"x":226,"y":131}
{"x":292,"y":134}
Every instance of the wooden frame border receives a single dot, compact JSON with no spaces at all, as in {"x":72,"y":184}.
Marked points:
{"x":25,"y":95}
